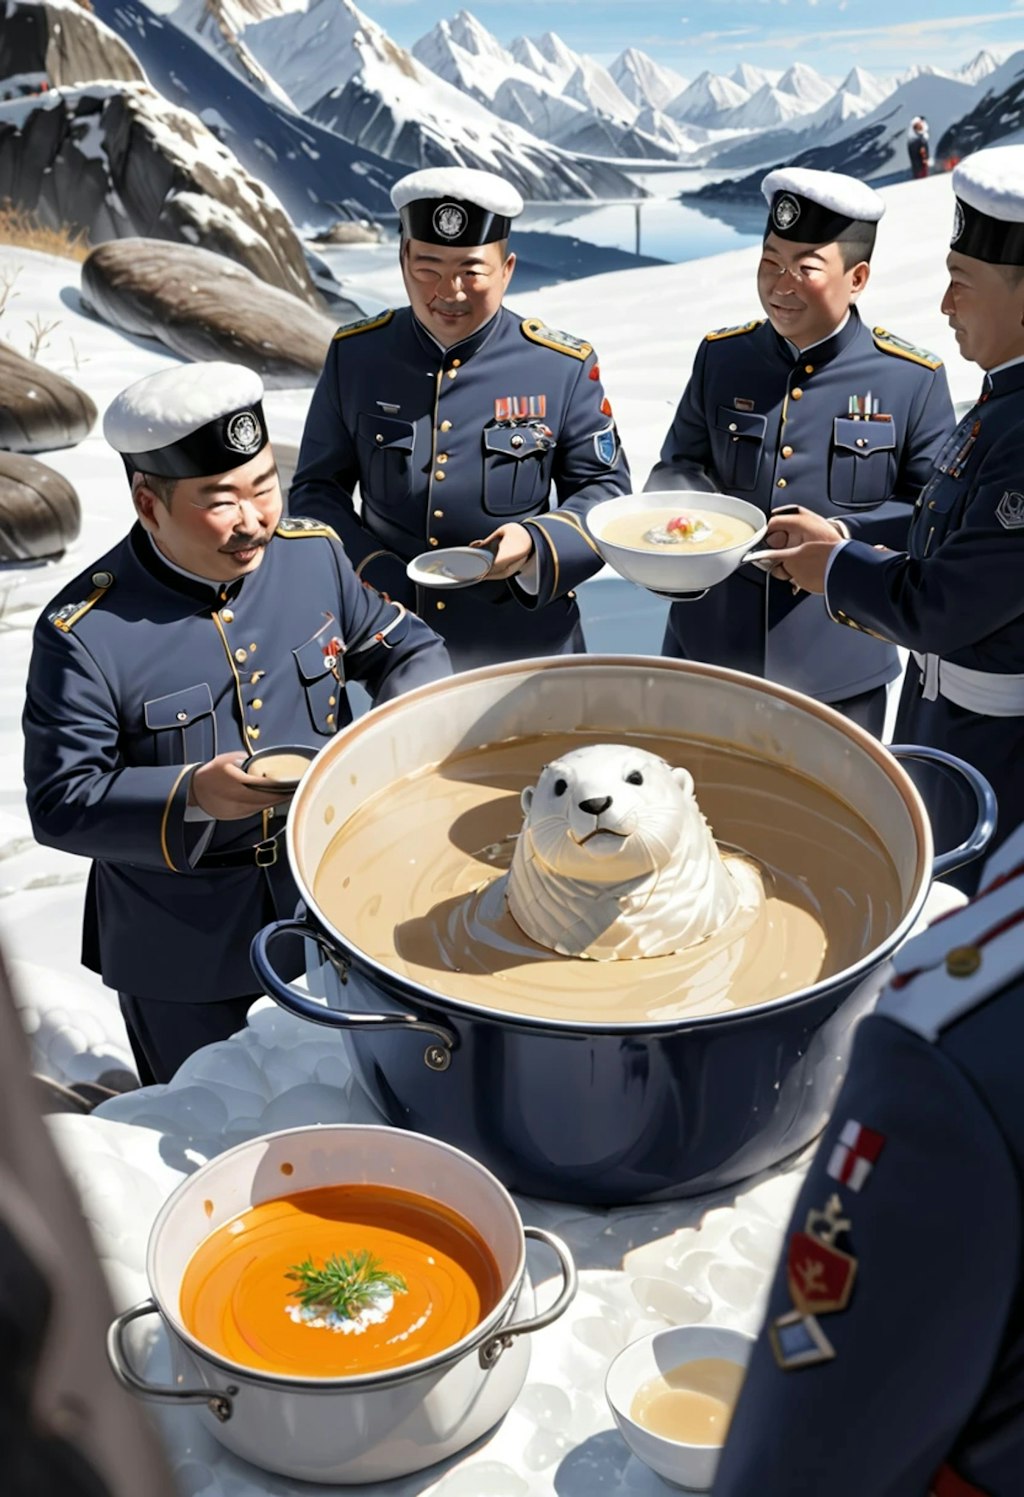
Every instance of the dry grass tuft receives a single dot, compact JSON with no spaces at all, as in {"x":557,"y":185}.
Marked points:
{"x":18,"y":226}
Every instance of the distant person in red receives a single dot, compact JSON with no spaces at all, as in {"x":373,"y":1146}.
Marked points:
{"x":917,"y":147}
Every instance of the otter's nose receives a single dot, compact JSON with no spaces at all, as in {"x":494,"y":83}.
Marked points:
{"x":595,"y":806}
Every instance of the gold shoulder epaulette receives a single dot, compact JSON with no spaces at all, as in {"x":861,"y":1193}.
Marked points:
{"x":293,"y":526}
{"x":550,"y":337}
{"x":365,"y":324}
{"x":67,"y":617}
{"x":889,"y":343}
{"x":733,"y":332}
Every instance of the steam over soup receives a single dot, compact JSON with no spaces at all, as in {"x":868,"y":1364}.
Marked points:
{"x":689,"y":531}
{"x":339,"y":1282}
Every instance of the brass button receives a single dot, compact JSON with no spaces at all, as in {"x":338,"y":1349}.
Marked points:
{"x":241,"y":654}
{"x":252,"y":649}
{"x":808,"y":368}
{"x":451,"y":374}
{"x":227,"y":615}
{"x":330,"y":717}
{"x":433,"y":540}
{"x":256,"y":676}
{"x":442,"y":457}
{"x":781,"y":484}
{"x":931,"y":503}
{"x":787,"y":452}
{"x":862,"y":441}
{"x":733,"y":426}
{"x":102,"y":579}
{"x":797,"y":394}
{"x":257,"y":703}
{"x":456,"y":363}
{"x":438,"y":514}
{"x":183,"y":717}
{"x":963,"y":961}
{"x":331,"y":701}
{"x":254,"y":732}
{"x":439,"y":475}
{"x":516,"y":442}
{"x":439,"y":605}
{"x":572,"y":595}
{"x":446,"y":426}
{"x":379,"y":438}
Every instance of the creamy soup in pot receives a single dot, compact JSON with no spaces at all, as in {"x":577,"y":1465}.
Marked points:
{"x":339,"y":1281}
{"x":284,"y":767}
{"x":685,"y":532}
{"x":410,"y":879}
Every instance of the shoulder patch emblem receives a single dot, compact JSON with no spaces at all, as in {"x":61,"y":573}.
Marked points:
{"x":733,"y":332}
{"x":1010,"y":511}
{"x":550,"y":337}
{"x":890,"y":343}
{"x":294,"y":526}
{"x":365,"y":324}
{"x":66,"y":617}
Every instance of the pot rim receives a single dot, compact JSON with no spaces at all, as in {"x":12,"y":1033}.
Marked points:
{"x":413,"y":992}
{"x":388,"y":1376}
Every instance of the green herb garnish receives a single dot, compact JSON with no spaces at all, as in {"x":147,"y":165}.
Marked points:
{"x":345,"y":1284}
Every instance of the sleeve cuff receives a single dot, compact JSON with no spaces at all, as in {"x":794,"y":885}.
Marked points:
{"x":828,"y":572}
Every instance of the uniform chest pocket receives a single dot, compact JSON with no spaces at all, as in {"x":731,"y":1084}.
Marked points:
{"x":321,"y":676}
{"x":737,"y":441}
{"x":386,"y":448}
{"x":862,"y":464}
{"x":183,"y":726}
{"x":517,"y":469}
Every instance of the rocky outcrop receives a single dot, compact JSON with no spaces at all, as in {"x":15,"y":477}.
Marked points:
{"x":39,"y":510}
{"x":58,"y":42}
{"x":206,"y":307}
{"x":115,"y":161}
{"x":998,"y":115}
{"x":39,"y":410}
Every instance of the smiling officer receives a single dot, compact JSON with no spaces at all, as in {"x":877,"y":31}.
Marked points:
{"x":213,"y":629}
{"x":812,"y":408}
{"x":455,"y":417}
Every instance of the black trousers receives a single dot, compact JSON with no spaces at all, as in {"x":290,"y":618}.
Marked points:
{"x":163,"y":1035}
{"x":866,"y":710}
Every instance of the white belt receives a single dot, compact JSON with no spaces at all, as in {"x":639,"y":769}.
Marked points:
{"x":988,"y":693}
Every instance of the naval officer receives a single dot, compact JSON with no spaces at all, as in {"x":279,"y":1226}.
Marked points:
{"x":891,"y":1361}
{"x":458,"y":418}
{"x":213,"y":629}
{"x":808,"y":407}
{"x":953,"y":595}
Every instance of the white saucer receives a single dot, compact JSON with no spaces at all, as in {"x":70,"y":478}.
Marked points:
{"x":454,"y":566}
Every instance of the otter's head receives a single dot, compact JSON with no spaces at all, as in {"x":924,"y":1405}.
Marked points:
{"x":607,"y":814}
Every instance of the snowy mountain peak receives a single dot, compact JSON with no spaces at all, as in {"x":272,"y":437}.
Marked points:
{"x":467,"y":32}
{"x":751,"y":78}
{"x":979,"y":67}
{"x":805,"y":84}
{"x":644,"y":82}
{"x":709,"y":95}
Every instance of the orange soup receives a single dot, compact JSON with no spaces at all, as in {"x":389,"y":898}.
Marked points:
{"x":433,"y":1279}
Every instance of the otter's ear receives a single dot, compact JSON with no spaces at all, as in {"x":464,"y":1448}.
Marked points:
{"x":684,"y":779}
{"x":526,"y":799}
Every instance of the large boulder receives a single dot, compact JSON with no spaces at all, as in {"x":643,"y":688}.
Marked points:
{"x":39,"y":510}
{"x":63,"y":42}
{"x":205,"y":307}
{"x":114,"y":161}
{"x":39,"y":410}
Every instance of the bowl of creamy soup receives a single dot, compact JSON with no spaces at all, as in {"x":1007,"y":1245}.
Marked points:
{"x":602,"y":1081}
{"x":279,"y":768}
{"x":347,"y":1303}
{"x":672,"y":1395}
{"x":676,"y":541}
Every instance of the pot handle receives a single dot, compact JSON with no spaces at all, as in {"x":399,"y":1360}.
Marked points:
{"x":220,"y":1404}
{"x":436,"y":1057}
{"x":493,"y":1347}
{"x":985,"y":799}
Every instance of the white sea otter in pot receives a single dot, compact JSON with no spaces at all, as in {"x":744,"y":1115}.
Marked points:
{"x":615,"y":860}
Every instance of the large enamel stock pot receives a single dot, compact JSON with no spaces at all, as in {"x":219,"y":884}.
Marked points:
{"x":607,"y":1113}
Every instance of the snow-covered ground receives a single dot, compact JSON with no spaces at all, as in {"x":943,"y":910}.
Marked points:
{"x":643,"y":1267}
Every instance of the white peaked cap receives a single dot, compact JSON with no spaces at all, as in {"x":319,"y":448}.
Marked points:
{"x":992,"y":182}
{"x":485,"y":189}
{"x":163,"y":408}
{"x":838,"y":193}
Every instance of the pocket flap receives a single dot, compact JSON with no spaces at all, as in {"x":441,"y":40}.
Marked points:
{"x":179,"y":708}
{"x":516,"y":441}
{"x":741,"y":423}
{"x":385,"y":431}
{"x":863,"y":437}
{"x":311,"y":659}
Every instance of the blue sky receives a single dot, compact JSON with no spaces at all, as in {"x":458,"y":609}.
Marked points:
{"x":831,"y":35}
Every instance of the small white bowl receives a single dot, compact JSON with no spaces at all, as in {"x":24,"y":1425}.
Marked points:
{"x":452,"y":566}
{"x":668,"y":570}
{"x":691,"y":1466}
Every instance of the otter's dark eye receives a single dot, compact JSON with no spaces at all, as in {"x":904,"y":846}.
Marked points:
{"x":634,"y":778}
{"x":561,"y":786}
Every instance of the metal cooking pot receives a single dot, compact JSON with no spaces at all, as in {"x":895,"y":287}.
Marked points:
{"x":606,"y":1113}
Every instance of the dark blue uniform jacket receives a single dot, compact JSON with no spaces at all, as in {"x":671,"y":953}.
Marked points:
{"x":448,"y":444}
{"x":767,"y":424}
{"x":139,"y":674}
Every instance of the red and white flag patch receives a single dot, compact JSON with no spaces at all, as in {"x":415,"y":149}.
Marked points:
{"x":855,"y":1155}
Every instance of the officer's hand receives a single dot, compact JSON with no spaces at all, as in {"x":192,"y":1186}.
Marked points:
{"x":795,"y":526}
{"x":512,"y":546}
{"x":221,"y":789}
{"x":805,"y":566}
